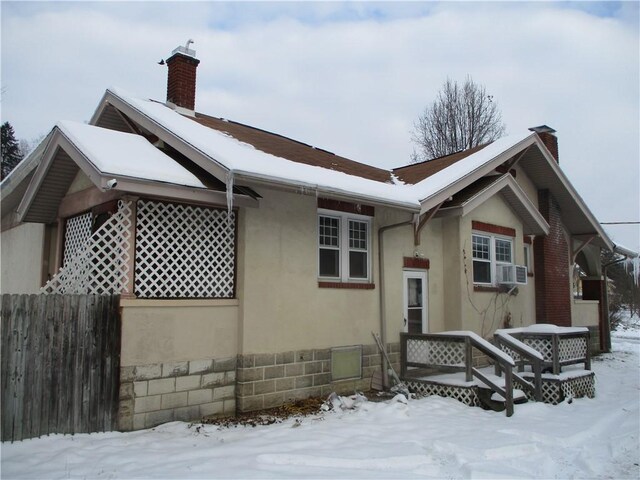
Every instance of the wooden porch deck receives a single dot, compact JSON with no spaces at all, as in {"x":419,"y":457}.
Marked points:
{"x":442,"y":364}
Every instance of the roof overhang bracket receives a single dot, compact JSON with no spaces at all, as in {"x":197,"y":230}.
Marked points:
{"x":421,"y":221}
{"x":509,"y":164}
{"x":583,"y":240}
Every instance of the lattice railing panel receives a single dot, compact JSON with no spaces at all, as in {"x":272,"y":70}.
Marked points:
{"x":76,"y":235}
{"x":184,"y":251}
{"x":102,"y":264}
{"x":435,"y":352}
{"x":572,"y":348}
{"x":542,"y":345}
{"x":510,"y":351}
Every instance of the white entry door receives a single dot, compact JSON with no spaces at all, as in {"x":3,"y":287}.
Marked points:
{"x":415,"y":302}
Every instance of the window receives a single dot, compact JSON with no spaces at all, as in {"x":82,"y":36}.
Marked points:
{"x":489,"y":252}
{"x":329,"y":245}
{"x":481,"y":259}
{"x":343,"y":246}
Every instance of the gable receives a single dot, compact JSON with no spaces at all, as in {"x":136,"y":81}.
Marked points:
{"x":80,"y":156}
{"x":487,"y":188}
{"x":417,"y":172}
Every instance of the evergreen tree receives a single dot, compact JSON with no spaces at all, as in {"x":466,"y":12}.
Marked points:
{"x":11,"y":154}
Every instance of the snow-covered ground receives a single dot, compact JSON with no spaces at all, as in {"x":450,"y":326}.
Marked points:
{"x":428,"y":438}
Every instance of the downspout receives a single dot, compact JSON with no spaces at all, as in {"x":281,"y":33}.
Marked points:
{"x":383,"y":320}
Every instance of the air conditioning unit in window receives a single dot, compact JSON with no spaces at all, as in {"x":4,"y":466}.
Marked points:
{"x":511,"y":274}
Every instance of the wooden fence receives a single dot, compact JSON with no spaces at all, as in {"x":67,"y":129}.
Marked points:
{"x":60,"y":364}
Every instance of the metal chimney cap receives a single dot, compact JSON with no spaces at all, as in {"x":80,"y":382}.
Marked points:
{"x":184,"y":51}
{"x":542,"y":129}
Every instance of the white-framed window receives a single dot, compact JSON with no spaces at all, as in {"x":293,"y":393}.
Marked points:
{"x":344,"y":246}
{"x":488,"y":252}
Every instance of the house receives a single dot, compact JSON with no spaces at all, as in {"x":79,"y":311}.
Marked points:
{"x":254,"y":268}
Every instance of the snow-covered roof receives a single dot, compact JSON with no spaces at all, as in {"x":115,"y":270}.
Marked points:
{"x":125,"y":154}
{"x":243,"y":160}
{"x":246,"y":159}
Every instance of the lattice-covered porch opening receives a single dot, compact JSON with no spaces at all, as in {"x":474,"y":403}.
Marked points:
{"x":95,"y":263}
{"x":184,"y":251}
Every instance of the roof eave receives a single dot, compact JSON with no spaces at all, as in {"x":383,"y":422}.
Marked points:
{"x":534,"y":222}
{"x":553,"y":164}
{"x":336,"y":193}
{"x":208,"y":163}
{"x":438,"y":197}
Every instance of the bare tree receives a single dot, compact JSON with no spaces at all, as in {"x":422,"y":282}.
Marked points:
{"x":461,"y":117}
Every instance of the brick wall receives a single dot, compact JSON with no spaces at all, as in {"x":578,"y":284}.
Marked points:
{"x":273,"y":379}
{"x":164,"y":392}
{"x":551,"y":264}
{"x":181,"y":82}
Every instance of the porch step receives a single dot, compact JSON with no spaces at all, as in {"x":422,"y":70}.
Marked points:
{"x":492,"y":400}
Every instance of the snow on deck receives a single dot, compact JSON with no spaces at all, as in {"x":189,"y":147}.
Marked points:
{"x":544,"y":328}
{"x":125,"y":154}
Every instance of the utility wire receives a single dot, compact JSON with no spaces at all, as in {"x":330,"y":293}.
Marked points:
{"x":619,"y":223}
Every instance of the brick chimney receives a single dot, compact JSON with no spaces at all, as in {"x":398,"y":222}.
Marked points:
{"x":181,"y":81}
{"x":547,"y":136}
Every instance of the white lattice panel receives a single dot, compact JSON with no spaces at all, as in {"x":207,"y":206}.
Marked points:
{"x":76,"y":235}
{"x":555,"y":391}
{"x":572,"y":348}
{"x":579,"y":387}
{"x":184,"y":251}
{"x":102,"y":264}
{"x":511,"y":352}
{"x":431,"y":352}
{"x":466,"y":395}
{"x":542,"y":345}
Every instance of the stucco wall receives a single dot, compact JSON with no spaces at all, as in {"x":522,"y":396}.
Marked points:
{"x":585,"y":313}
{"x":282,"y":307}
{"x":162,"y":331}
{"x":485,"y":311}
{"x":526,"y":184}
{"x":22,"y":258}
{"x":399,"y":243}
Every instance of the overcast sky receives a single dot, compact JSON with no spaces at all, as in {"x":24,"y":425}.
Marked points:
{"x":351,"y":77}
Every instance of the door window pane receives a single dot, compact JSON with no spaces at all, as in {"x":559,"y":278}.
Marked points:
{"x":415,"y":320}
{"x":414,"y":292}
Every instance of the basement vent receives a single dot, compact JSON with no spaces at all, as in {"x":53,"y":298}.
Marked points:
{"x":346,"y":362}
